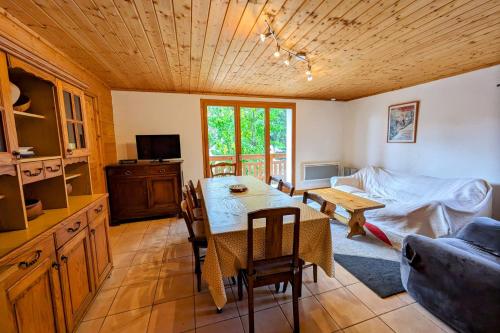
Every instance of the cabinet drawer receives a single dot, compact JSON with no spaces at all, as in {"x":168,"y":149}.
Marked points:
{"x":32,"y":172}
{"x":52,"y":168}
{"x":98,"y":209}
{"x":70,"y":228}
{"x":128,"y":171}
{"x":30,"y":258}
{"x":163,"y":169}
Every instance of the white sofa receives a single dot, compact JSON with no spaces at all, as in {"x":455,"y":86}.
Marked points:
{"x":422,"y":205}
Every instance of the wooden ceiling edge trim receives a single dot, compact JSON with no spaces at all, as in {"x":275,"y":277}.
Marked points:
{"x":224,"y":94}
{"x":20,"y":52}
{"x":14,"y":48}
{"x":446,"y":76}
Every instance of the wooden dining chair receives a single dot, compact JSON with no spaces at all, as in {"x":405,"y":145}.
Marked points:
{"x":273,"y":179}
{"x":223,"y":169}
{"x":325,"y":208}
{"x":194,"y":194}
{"x":322,"y":203}
{"x":197,"y":213}
{"x":286,"y":187}
{"x":275,"y":267}
{"x":197,"y":238}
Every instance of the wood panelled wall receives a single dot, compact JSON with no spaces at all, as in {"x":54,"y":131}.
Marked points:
{"x":18,"y":33}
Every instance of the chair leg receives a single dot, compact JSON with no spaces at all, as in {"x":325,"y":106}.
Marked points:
{"x":299,"y":281}
{"x":315,"y":273}
{"x":240,"y":286}
{"x":197,"y":266}
{"x":285,"y":285}
{"x":296,"y":287}
{"x":251,"y":327}
{"x":277,"y":287}
{"x":233,"y":280}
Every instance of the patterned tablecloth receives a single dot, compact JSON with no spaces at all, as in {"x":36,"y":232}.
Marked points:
{"x":226,"y":227}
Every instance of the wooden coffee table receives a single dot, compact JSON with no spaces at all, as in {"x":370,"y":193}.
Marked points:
{"x":353,"y":204}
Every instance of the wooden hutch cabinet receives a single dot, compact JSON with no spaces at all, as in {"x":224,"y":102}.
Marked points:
{"x":51,"y":265}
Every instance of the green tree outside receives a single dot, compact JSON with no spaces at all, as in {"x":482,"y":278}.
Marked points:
{"x":221,"y":136}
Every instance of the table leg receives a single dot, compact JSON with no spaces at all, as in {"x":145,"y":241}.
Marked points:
{"x":356,"y":223}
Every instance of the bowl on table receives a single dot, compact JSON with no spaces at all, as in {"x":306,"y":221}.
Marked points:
{"x":237,"y":188}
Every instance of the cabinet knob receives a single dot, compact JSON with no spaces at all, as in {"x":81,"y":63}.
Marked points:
{"x":64,"y":259}
{"x":98,"y":209}
{"x":26,"y":264}
{"x":92,"y":231}
{"x":55,"y":265}
{"x":69,"y":151}
{"x":16,"y":154}
{"x":128,"y":172}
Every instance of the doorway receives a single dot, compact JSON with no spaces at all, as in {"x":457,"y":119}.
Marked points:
{"x":258,"y":136}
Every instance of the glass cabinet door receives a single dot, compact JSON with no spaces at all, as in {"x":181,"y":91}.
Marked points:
{"x":74,"y":119}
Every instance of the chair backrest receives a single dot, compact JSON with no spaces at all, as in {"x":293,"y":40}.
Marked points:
{"x":223,"y":169}
{"x":187,"y":218}
{"x":274,"y":235}
{"x":273,"y":179}
{"x":189,"y":201}
{"x":286,"y":187}
{"x":326,"y":207}
{"x":194,"y":195}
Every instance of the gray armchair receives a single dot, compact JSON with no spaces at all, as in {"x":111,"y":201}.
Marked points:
{"x":457,"y":278}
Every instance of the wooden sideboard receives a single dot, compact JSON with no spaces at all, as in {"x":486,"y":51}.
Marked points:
{"x":144,"y":190}
{"x":50,"y":273}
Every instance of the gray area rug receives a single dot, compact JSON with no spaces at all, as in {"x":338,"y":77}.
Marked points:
{"x":369,"y":259}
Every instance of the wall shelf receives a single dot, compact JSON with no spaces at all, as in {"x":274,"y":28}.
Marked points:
{"x":69,"y":177}
{"x":28,"y":115}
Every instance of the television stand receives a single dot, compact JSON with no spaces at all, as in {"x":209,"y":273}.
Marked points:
{"x":144,"y":190}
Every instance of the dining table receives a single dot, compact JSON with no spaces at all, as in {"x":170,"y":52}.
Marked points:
{"x":226,"y":224}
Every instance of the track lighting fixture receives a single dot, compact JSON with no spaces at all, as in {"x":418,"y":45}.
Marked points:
{"x":299,"y":56}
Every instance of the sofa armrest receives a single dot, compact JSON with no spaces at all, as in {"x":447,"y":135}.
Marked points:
{"x":348,"y":180}
{"x":452,"y":283}
{"x":483,"y":232}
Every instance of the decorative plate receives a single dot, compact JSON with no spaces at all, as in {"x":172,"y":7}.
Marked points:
{"x":237,"y":188}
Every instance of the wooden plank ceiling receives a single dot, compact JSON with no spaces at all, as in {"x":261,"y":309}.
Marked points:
{"x":357,"y":48}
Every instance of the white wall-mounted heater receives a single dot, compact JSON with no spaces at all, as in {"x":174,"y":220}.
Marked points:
{"x":319,"y":173}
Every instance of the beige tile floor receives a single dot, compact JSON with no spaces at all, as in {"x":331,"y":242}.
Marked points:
{"x":152,"y":289}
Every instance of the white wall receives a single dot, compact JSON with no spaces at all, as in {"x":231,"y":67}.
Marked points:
{"x":318,"y":129}
{"x":458,"y":129}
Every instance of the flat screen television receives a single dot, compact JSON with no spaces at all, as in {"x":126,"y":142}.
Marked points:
{"x":158,"y":147}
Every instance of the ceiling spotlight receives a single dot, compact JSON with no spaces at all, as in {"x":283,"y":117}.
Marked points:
{"x":277,"y":52}
{"x":263,"y":37}
{"x":309,"y":77}
{"x":308,"y":72}
{"x":288,"y":60}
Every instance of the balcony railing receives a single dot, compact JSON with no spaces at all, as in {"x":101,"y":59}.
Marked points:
{"x":254,"y":165}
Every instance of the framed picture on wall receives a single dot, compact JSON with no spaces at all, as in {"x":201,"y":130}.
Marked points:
{"x":402,"y":122}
